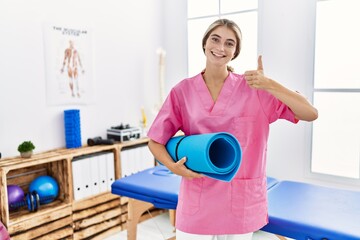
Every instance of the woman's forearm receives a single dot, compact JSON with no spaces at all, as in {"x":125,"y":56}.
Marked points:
{"x":160,"y":153}
{"x":301,"y":107}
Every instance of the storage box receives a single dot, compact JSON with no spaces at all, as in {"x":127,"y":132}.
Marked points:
{"x":51,"y":219}
{"x":123,"y":135}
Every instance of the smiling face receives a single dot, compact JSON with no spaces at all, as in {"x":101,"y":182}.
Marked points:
{"x":230,"y":25}
{"x":220,"y":46}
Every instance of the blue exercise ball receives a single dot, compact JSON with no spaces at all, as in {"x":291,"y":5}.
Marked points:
{"x":46,"y":187}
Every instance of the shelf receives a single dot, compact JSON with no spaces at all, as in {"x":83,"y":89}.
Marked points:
{"x":92,"y":217}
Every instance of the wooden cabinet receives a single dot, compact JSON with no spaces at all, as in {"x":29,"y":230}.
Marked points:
{"x":95,"y":216}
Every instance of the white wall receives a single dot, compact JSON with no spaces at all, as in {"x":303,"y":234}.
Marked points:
{"x":288,"y":38}
{"x":287,"y":46}
{"x":126,"y":35}
{"x":175,"y":41}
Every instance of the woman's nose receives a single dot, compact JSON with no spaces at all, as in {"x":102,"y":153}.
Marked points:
{"x":221,"y":46}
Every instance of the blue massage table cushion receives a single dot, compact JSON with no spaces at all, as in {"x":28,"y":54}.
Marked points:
{"x":270,"y":182}
{"x":156,"y":185}
{"x":306,"y":211}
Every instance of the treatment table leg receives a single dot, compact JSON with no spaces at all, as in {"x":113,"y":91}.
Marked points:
{"x":135,"y":209}
{"x":172,"y":214}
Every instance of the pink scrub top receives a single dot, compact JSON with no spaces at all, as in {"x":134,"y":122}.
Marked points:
{"x":206,"y":205}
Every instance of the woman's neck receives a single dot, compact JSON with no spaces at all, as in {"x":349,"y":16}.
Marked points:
{"x":214,"y":80}
{"x":213,"y":75}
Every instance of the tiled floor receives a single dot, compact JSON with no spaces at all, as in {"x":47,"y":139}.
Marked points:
{"x":159,"y":228}
{"x":156,"y":228}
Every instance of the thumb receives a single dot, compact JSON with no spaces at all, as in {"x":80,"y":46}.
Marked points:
{"x":260,"y":64}
{"x":182,"y":161}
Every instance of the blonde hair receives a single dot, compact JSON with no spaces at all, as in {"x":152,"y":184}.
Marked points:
{"x":230,"y":25}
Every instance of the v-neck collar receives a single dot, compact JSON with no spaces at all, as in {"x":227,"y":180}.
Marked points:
{"x":215,"y":107}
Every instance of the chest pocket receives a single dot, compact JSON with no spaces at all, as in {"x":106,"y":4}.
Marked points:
{"x":243,"y":128}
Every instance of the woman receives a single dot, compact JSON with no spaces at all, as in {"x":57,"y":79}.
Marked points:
{"x":218,"y":100}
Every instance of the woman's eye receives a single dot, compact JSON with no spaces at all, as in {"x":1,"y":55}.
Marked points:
{"x":230,"y":44}
{"x":214,"y":39}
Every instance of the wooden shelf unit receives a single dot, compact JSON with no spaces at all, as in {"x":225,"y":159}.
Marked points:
{"x":94,"y":217}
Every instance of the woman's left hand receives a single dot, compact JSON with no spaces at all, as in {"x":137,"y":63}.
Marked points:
{"x":256,"y":78}
{"x":302,"y":109}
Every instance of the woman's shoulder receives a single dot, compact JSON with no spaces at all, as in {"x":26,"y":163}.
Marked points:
{"x":188,"y":82}
{"x":237,"y":76}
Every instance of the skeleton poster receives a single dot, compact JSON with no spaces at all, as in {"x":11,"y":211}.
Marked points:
{"x":68,"y":64}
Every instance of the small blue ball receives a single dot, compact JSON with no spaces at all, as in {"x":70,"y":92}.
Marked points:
{"x":47,"y":188}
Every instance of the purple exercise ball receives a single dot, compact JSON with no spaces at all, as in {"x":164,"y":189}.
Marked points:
{"x":15,"y":194}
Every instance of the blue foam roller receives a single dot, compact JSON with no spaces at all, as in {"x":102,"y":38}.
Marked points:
{"x":72,"y":128}
{"x":216,"y":155}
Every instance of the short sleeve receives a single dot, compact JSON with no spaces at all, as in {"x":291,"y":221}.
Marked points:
{"x":168,"y":120}
{"x":274,"y":108}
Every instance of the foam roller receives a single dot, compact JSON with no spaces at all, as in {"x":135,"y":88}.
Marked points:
{"x":216,"y":155}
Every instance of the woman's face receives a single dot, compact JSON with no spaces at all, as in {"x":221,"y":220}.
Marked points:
{"x":220,"y":46}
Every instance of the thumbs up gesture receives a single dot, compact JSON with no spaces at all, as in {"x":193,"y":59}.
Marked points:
{"x":256,"y":78}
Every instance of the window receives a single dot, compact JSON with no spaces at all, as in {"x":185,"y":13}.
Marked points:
{"x":201,"y":13}
{"x":336,"y":133}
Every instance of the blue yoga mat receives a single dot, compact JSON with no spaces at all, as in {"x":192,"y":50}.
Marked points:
{"x":216,"y":155}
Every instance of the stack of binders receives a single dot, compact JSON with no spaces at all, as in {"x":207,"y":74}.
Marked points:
{"x":72,"y":128}
{"x":93,"y":174}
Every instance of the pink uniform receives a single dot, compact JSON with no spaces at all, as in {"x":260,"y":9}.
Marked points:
{"x":209,"y":206}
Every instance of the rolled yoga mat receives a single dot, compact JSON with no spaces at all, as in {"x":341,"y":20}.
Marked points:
{"x":216,"y":155}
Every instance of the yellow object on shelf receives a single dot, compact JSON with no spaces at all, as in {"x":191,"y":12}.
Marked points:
{"x":144,"y":119}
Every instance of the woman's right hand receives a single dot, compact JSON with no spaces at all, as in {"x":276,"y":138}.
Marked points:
{"x":160,"y":153}
{"x":180,"y":169}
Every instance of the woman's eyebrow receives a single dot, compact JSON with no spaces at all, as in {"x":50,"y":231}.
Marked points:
{"x":216,"y":35}
{"x":231,"y":40}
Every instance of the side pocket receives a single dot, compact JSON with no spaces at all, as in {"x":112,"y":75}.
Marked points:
{"x":248,"y":198}
{"x":238,"y":187}
{"x":189,"y":198}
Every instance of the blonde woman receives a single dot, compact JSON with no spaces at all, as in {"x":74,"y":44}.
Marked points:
{"x":219,"y":100}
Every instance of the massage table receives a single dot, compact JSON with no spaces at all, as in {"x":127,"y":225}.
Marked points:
{"x":311,"y":212}
{"x":296,"y":210}
{"x":153,"y":187}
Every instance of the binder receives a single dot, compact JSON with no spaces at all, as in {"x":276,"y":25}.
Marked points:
{"x":124,"y":163}
{"x":78,"y":180}
{"x":95,"y":174}
{"x":134,"y":159}
{"x":87,"y":181}
{"x":110,"y":169}
{"x":102,"y":166}
{"x":148,"y":160}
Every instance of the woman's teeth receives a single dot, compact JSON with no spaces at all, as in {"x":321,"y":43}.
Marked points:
{"x":217,"y":55}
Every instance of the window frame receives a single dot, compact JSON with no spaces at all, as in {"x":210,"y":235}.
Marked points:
{"x":309,"y":173}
